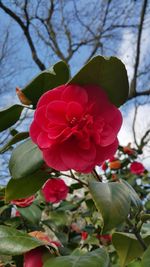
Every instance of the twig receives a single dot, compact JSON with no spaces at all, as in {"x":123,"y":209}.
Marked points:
{"x":137,"y":234}
{"x":25,"y":29}
{"x":137,"y":59}
{"x":74,"y":178}
{"x":96,"y":175}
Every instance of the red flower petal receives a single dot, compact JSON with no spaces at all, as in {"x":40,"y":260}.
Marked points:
{"x":104,"y":153}
{"x":56,"y":112}
{"x":33,"y":258}
{"x":75,"y":93}
{"x":43,"y":141}
{"x":53,"y":159}
{"x":34,"y":131}
{"x":74,"y":111}
{"x":51,"y":95}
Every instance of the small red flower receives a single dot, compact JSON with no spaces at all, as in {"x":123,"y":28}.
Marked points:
{"x":23,"y":202}
{"x":76,"y":127}
{"x":84,"y":235}
{"x":55,"y":190}
{"x":33,"y":258}
{"x":137,"y":167}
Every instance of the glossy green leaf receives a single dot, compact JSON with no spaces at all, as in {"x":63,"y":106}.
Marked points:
{"x":128,"y":247}
{"x":26,"y":158}
{"x":31,"y":213}
{"x":96,"y":258}
{"x":10,"y":116}
{"x":46,"y":80}
{"x":135,"y":200}
{"x":146,"y":258}
{"x":26,"y":186}
{"x":109,"y":73}
{"x":113,"y":202}
{"x":14,"y":242}
{"x":15,"y":139}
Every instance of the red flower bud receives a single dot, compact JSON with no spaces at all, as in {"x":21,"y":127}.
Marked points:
{"x":23,"y":99}
{"x":115,"y":165}
{"x":128,"y":150}
{"x":84,"y":235}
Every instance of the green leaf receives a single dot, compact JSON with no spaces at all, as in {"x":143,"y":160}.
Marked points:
{"x":31,"y":213}
{"x":146,"y":258}
{"x":26,"y":186}
{"x":26,"y":158}
{"x":46,"y":80}
{"x":136,"y":263}
{"x":14,"y":242}
{"x":135,"y":200}
{"x":128,"y":247}
{"x":10,"y":116}
{"x":59,"y":218}
{"x":109,"y":73}
{"x":112,"y":201}
{"x":15,"y":139}
{"x":98,"y":257}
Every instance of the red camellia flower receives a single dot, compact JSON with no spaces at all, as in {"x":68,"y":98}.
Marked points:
{"x":55,"y":190}
{"x":23,"y":202}
{"x":76,"y":127}
{"x":137,"y":167}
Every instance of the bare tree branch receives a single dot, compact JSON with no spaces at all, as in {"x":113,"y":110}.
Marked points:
{"x":134,"y":124}
{"x":133,"y":88}
{"x":25,"y":29}
{"x":142,"y":93}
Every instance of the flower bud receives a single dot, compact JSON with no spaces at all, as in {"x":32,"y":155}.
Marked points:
{"x":23,"y":99}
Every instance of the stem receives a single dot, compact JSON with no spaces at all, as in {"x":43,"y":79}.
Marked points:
{"x":98,"y":178}
{"x":74,"y":178}
{"x":28,"y":107}
{"x":137,"y":234}
{"x":141,"y":241}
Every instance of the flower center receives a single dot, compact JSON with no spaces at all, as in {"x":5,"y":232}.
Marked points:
{"x":73,"y":121}
{"x":85,"y":121}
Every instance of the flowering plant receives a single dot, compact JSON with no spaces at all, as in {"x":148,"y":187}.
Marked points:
{"x":78,"y":203}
